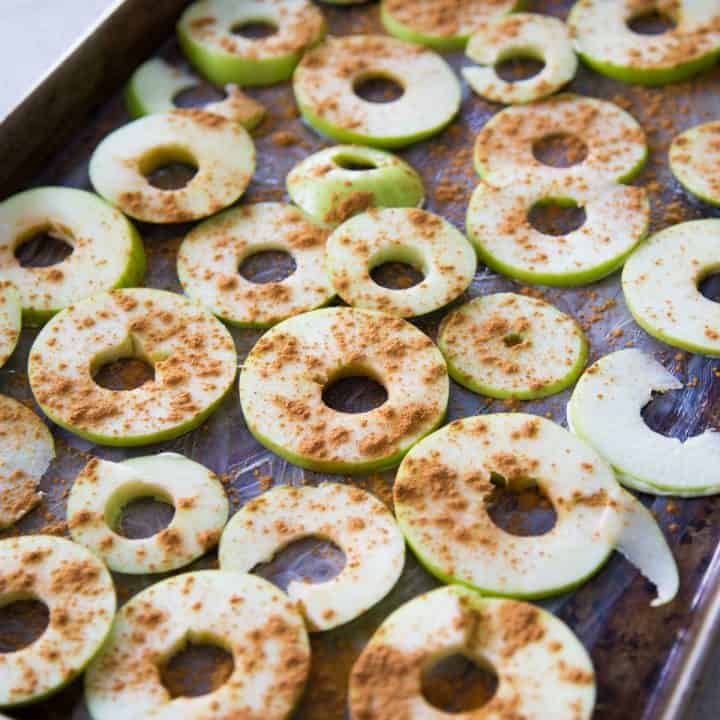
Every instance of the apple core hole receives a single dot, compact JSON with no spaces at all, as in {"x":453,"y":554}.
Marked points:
{"x":353,"y":162}
{"x":22,"y":622}
{"x":378,"y":89}
{"x":396,"y":275}
{"x":144,"y":517}
{"x":43,"y":248}
{"x":520,"y":509}
{"x":667,"y":414}
{"x":196,"y":669}
{"x":354,"y":394}
{"x":514,"y":68}
{"x":553,"y":218}
{"x":198,"y":96}
{"x":459,"y":684}
{"x":560,"y":150}
{"x":254,"y":29}
{"x":124,"y":374}
{"x":709,"y":286}
{"x":267,"y":266}
{"x":168,"y":168}
{"x":651,"y":23}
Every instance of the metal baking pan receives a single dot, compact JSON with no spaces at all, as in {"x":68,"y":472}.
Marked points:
{"x":647,"y":660}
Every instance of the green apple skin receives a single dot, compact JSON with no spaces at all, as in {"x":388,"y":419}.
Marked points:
{"x":133,"y":103}
{"x":714,"y":201}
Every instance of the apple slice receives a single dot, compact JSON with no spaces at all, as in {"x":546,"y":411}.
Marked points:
{"x":26,"y":451}
{"x":695,"y":158}
{"x":221,"y":150}
{"x":541,"y":37}
{"x":10,"y":320}
{"x":513,"y":638}
{"x":412,"y":236}
{"x":154,"y":86}
{"x":245,"y":615}
{"x":356,"y":521}
{"x":334,"y":184}
{"x":210,"y":33}
{"x":511,"y":346}
{"x":608,"y":45}
{"x":192,"y":353}
{"x":326,"y":79}
{"x":283,"y":377}
{"x":107,"y":251}
{"x":210,"y":255}
{"x":79,"y":594}
{"x":660,"y":283}
{"x":103,"y":489}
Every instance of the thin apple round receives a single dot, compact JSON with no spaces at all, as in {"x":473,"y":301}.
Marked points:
{"x":660,"y":283}
{"x":338,"y":182}
{"x":192,"y":353}
{"x":103,"y":489}
{"x":513,"y":638}
{"x":325,"y":85}
{"x":221,"y":150}
{"x":10,"y":320}
{"x":695,"y":158}
{"x":210,"y":255}
{"x":511,"y":346}
{"x":356,"y":521}
{"x":107,"y":251}
{"x":245,"y":615}
{"x":283,"y":378}
{"x":79,"y":594}
{"x":541,"y":37}
{"x":210,"y":34}
{"x":412,"y":236}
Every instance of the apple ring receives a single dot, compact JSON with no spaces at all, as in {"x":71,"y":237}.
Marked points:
{"x":539,"y":36}
{"x":284,"y":375}
{"x":103,"y":489}
{"x":514,"y":638}
{"x":511,"y":346}
{"x":222,"y":151}
{"x":193,"y":355}
{"x":412,"y":236}
{"x":356,"y":521}
{"x":107,"y":251}
{"x":79,"y":594}
{"x":694,"y":160}
{"x":334,"y":184}
{"x":211,"y":253}
{"x":615,"y":142}
{"x":205,"y":32}
{"x":660,"y":283}
{"x":607,"y":44}
{"x":155,"y":84}
{"x":498,"y":225}
{"x":10,"y":320}
{"x":246,"y":615}
{"x":325,"y":82}
{"x":26,"y":451}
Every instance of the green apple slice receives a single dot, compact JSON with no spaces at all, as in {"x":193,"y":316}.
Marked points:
{"x":527,"y":35}
{"x":440,"y":24}
{"x":284,"y":375}
{"x":155,"y":84}
{"x":335,"y":183}
{"x":453,"y":471}
{"x":695,"y":158}
{"x":26,"y":451}
{"x":412,"y":236}
{"x":205,"y":32}
{"x":103,"y":489}
{"x":221,"y":150}
{"x":78,"y":592}
{"x":356,"y":521}
{"x":604,"y":410}
{"x":192,"y":353}
{"x":498,"y":225}
{"x":325,"y":82}
{"x":211,"y":253}
{"x":615,"y":142}
{"x":107,"y":251}
{"x":514,"y":638}
{"x":660,"y":283}
{"x":512,"y":346}
{"x":10,"y":320}
{"x":244,"y":614}
{"x":607,"y":44}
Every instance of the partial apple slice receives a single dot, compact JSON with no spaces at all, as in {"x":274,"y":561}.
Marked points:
{"x":660,"y":283}
{"x":334,"y":184}
{"x":356,"y":521}
{"x":418,"y":238}
{"x":513,"y":638}
{"x":695,"y":158}
{"x":326,"y":80}
{"x":245,"y":615}
{"x":79,"y":594}
{"x":512,"y":346}
{"x":26,"y":451}
{"x":10,"y":320}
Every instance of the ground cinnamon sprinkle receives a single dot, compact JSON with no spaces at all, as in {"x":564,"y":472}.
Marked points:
{"x":351,"y":204}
